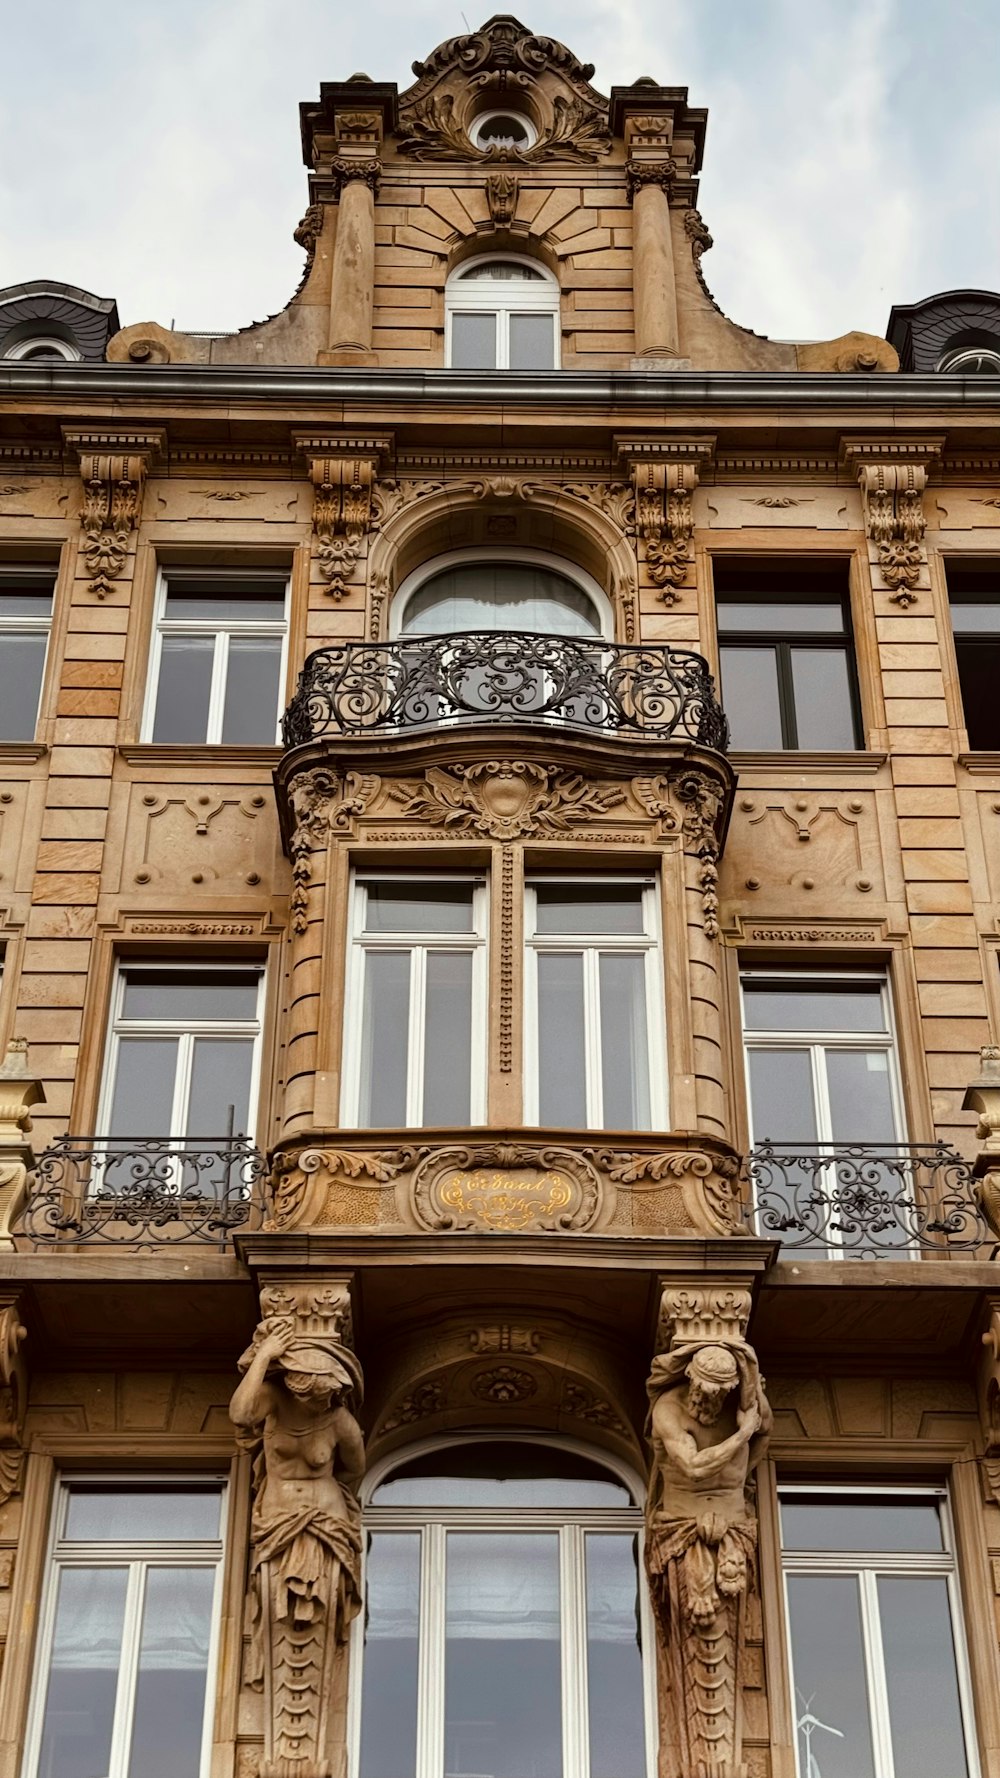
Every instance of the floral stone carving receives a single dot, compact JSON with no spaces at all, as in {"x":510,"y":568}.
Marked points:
{"x":506,"y":1189}
{"x":708,"y":1426}
{"x":294,"y":1411}
{"x":507,"y":798}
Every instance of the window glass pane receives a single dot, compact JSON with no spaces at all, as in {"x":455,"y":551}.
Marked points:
{"x":389,"y":1674}
{"x":781,"y":617}
{"x":173,"y":994}
{"x":614,"y":1659}
{"x":25,"y":598}
{"x":978,"y":670}
{"x":562,"y":1080}
{"x":781,"y":1006}
{"x":975,"y":616}
{"x":502,"y":1656}
{"x":782,"y":1107}
{"x":384,"y":1038}
{"x":750,"y":697}
{"x":448,"y":1038}
{"x":503,"y":271}
{"x":22,"y":663}
{"x":142,"y":1104}
{"x":895,"y":1522}
{"x":532,"y":341}
{"x":501,"y":596}
{"x":184,"y":688}
{"x":169,"y":1718}
{"x":83,"y":1673}
{"x":824,"y":716}
{"x":133,"y":1515}
{"x":624,"y":1042}
{"x":250,"y":712}
{"x":919,"y":1645}
{"x":221,"y":1074}
{"x":214,"y":601}
{"x":830,"y":1700}
{"x":474,"y":342}
{"x":418,"y":907}
{"x":591,"y":908}
{"x":493,"y":1473}
{"x":860,"y":1091}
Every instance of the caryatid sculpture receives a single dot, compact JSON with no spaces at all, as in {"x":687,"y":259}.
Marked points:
{"x":294,"y":1412}
{"x":708,"y":1426}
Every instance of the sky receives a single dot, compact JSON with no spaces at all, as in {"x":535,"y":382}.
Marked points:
{"x":149,"y":149}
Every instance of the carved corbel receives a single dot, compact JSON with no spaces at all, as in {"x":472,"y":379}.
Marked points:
{"x":706,"y":1396}
{"x":19,"y":1091}
{"x":343,"y":471}
{"x":892,"y":476}
{"x":113,"y":467}
{"x":295,"y":1413}
{"x":664,"y":474}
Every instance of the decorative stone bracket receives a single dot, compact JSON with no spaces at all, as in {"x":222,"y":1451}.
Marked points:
{"x":892,"y":475}
{"x":19,"y":1091}
{"x":343,"y":469}
{"x":114,"y":466}
{"x":664,"y":474}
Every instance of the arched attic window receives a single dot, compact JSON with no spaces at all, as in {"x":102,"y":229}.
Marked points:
{"x":520,"y":589}
{"x":973,"y":361}
{"x":501,"y":313}
{"x":45,"y":349}
{"x":505,"y":1616}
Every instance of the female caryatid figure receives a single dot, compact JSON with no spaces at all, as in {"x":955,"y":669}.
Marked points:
{"x":293,"y":1410}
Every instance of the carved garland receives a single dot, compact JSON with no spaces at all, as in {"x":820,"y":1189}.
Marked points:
{"x":505,"y":798}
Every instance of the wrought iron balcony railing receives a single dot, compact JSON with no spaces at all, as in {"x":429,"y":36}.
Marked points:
{"x":864,"y":1200}
{"x":489,"y":676}
{"x":143,"y":1192}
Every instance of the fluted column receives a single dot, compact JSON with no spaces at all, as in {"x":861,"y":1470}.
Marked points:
{"x":656,"y":330}
{"x":353,"y":285}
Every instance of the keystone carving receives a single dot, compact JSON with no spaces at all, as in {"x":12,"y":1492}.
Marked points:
{"x":113,"y":468}
{"x":343,"y":472}
{"x":501,"y":196}
{"x":664,"y":476}
{"x":506,"y":798}
{"x":892,"y":476}
{"x":708,"y":1426}
{"x":295,"y":1413}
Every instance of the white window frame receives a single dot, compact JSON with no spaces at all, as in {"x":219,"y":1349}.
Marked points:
{"x":485,"y":117}
{"x":649,"y":944}
{"x":222,"y":629}
{"x":187,"y":1030}
{"x":138,"y":1557}
{"x":502,"y":555}
{"x":49,"y":343}
{"x":818,"y":1040}
{"x":474,"y":943}
{"x":539,"y":295}
{"x":572,"y":1526}
{"x":15,"y":575}
{"x":867,"y":1565}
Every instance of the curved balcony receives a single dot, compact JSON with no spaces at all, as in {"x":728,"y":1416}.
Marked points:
{"x":494,"y":677}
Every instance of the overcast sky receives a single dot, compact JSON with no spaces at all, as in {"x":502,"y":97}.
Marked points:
{"x":150,"y":148}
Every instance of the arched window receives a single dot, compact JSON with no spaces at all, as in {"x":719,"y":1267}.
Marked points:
{"x":520,"y":590}
{"x":47,"y":350}
{"x":501,"y":314}
{"x":505,"y":1622}
{"x":973,"y":361}
{"x":503,"y":129}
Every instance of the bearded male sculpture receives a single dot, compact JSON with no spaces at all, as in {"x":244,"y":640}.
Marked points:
{"x":708,"y":1426}
{"x":294,"y":1413}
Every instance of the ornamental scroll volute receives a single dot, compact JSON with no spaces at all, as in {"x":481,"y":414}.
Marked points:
{"x":708,"y":1426}
{"x":295,"y":1413}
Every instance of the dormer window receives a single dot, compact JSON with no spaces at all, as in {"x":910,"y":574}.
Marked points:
{"x":503,"y":129}
{"x":502,"y":314}
{"x":973,"y":361}
{"x":44,"y":350}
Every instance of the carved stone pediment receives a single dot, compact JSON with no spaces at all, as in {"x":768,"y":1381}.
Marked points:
{"x":503,"y":64}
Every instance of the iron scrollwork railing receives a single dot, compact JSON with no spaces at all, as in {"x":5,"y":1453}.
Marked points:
{"x":128,"y":1191}
{"x":863,"y":1200}
{"x":489,"y":676}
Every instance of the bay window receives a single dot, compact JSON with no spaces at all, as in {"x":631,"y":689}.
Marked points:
{"x":126,"y":1650}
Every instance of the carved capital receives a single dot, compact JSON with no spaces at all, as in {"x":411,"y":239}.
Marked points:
{"x":640,"y":173}
{"x":343,"y":470}
{"x":345,"y":170}
{"x":664,"y":475}
{"x":113,"y":467}
{"x":892,"y":476}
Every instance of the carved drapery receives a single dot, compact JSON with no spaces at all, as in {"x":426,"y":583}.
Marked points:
{"x":892,"y":475}
{"x":664,"y":475}
{"x":343,"y":471}
{"x":708,"y":1426}
{"x":301,"y":1387}
{"x":113,"y":467}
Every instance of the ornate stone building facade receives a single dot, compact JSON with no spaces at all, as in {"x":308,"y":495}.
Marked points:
{"x":498,"y":1248}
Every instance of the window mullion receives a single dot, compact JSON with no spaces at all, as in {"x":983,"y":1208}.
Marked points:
{"x":217,"y":694}
{"x":416,"y":1041}
{"x":592,"y":1037}
{"x":121,"y":1737}
{"x":786,"y":697}
{"x":878,"y":1689}
{"x":431,"y":1653}
{"x":182,"y":1084}
{"x":573,"y":1626}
